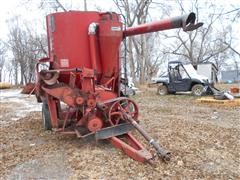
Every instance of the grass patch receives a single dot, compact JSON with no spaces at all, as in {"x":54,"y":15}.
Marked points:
{"x":5,"y":85}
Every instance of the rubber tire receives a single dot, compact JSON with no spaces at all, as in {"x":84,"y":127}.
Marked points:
{"x":46,"y":118}
{"x":132,"y":93}
{"x":197,"y":90}
{"x":162,"y":90}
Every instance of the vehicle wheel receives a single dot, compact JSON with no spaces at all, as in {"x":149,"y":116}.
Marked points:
{"x":46,"y":118}
{"x":197,"y":90}
{"x":132,"y":93}
{"x":162,"y":90}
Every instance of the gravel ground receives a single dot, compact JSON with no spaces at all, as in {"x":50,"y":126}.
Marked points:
{"x":204,"y":141}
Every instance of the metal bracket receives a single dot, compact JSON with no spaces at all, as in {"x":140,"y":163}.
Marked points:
{"x":108,"y":132}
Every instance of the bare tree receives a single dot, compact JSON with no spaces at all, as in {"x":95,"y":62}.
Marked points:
{"x":236,"y":60}
{"x":204,"y":44}
{"x":15,"y":46}
{"x":235,"y":19}
{"x":35,"y":49}
{"x":141,"y":64}
{"x":3,"y":50}
{"x":26,"y":47}
{"x":54,"y":4}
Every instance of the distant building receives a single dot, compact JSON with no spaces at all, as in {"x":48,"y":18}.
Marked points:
{"x":229,"y":76}
{"x":209,"y":70}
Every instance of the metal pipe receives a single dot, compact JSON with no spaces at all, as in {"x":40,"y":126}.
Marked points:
{"x":187,"y":22}
{"x":64,"y":70}
{"x":165,"y":155}
{"x":94,"y":53}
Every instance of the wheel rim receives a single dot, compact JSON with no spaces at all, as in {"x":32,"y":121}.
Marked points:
{"x":122,"y":106}
{"x":198,"y":91}
{"x":161,"y":91}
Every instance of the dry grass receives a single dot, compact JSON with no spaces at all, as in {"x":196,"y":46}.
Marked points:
{"x":4,"y":85}
{"x":203,"y":140}
{"x":227,"y":87}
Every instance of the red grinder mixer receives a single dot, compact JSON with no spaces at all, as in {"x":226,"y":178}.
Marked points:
{"x":79,"y":83}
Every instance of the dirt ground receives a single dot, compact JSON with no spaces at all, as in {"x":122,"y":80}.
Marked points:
{"x":204,"y":141}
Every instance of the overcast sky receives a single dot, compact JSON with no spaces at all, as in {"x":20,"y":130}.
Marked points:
{"x":30,"y":12}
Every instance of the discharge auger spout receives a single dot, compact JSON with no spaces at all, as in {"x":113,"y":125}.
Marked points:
{"x":186,"y":22}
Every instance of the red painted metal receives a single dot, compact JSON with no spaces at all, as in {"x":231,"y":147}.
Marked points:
{"x":67,"y":95}
{"x":53,"y":111}
{"x":150,"y":27}
{"x":187,"y":22}
{"x":84,"y":74}
{"x":94,"y":124}
{"x":118,"y":108}
{"x":131,"y":147}
{"x":94,"y":50}
{"x":110,"y":37}
{"x":68,"y":40}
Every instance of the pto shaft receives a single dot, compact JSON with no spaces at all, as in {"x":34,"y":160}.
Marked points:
{"x":165,"y":155}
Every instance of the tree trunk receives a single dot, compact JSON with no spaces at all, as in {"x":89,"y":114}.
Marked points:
{"x":0,"y":75}
{"x":16,"y":74}
{"x":143,"y":57}
{"x":22,"y":74}
{"x":131,"y":59}
{"x":85,"y":5}
{"x":10,"y":76}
